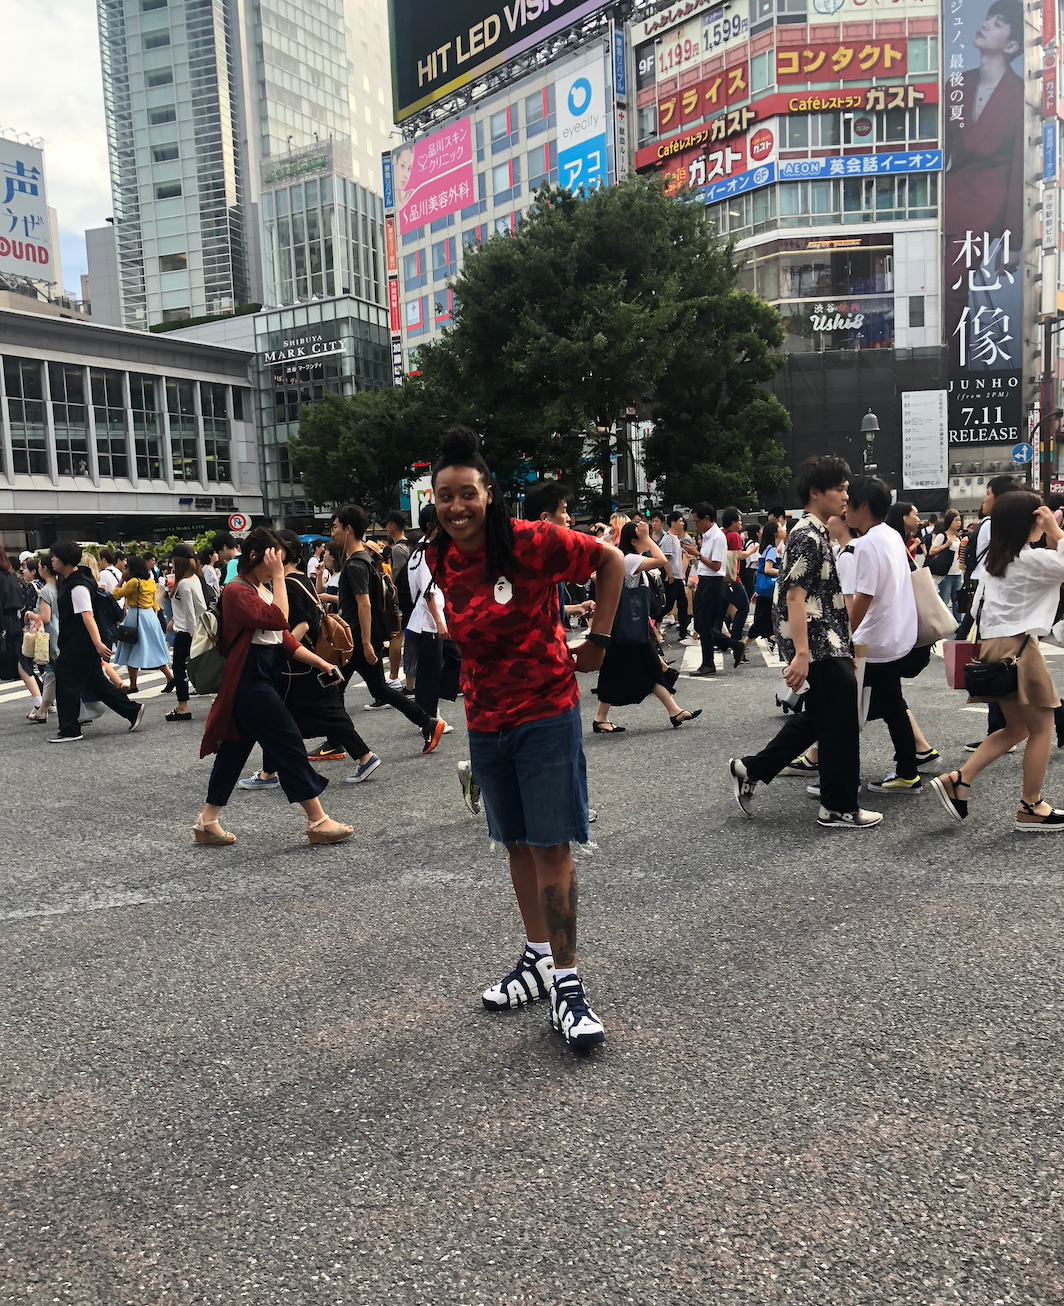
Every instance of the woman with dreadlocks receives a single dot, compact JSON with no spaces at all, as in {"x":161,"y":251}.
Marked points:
{"x":500,"y":580}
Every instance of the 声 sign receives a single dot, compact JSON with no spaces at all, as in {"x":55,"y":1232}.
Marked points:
{"x":848,"y":61}
{"x":25,"y":250}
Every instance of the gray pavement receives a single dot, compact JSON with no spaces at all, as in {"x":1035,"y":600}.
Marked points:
{"x":262,"y":1074}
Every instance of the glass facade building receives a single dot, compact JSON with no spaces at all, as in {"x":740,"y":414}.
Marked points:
{"x":106,"y":432}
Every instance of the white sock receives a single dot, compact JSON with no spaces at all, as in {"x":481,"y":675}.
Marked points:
{"x":563,"y":972}
{"x":540,"y":949}
{"x":36,"y":700}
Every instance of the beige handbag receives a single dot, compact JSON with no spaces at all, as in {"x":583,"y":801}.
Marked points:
{"x":731,"y":565}
{"x":35,"y":646}
{"x":934,"y":621}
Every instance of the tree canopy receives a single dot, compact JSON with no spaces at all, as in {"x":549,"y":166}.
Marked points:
{"x":600,"y":305}
{"x":359,"y":449}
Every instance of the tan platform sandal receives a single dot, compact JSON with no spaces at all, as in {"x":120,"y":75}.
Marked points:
{"x":201,"y":834}
{"x":328,"y":831}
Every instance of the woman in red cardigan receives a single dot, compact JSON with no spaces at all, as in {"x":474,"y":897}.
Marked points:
{"x":248,"y":709}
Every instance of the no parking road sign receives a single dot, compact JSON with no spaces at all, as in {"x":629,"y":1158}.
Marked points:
{"x":239,"y":524}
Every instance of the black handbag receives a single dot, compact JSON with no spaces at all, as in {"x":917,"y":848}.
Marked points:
{"x":996,"y":679}
{"x":940,"y":563}
{"x":129,"y":631}
{"x":631,"y":625}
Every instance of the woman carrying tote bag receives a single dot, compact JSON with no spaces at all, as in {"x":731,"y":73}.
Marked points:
{"x":1016,"y":603}
{"x":632,"y":667}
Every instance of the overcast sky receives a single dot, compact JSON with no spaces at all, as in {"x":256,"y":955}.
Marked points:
{"x":51,"y":88}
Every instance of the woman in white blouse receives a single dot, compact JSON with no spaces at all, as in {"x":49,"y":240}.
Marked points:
{"x":1015,"y":603}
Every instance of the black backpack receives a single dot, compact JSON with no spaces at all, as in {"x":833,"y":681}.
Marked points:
{"x":109,"y":614}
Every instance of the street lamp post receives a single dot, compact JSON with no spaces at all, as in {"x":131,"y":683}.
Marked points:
{"x":869,"y":429}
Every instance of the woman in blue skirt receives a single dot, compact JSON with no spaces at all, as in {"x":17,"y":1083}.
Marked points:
{"x":150,"y":649}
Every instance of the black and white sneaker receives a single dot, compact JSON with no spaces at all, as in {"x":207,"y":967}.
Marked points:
{"x":930,"y":755}
{"x":859,"y":820}
{"x":135,"y":724}
{"x":801,"y":766}
{"x":529,"y":981}
{"x":742,"y":785}
{"x":571,"y":1016}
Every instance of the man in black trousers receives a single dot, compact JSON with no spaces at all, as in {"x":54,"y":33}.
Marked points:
{"x":78,"y":670}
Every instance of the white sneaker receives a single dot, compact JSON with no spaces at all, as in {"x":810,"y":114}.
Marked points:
{"x":859,"y":820}
{"x":529,"y":981}
{"x":571,"y":1015}
{"x":688,"y":640}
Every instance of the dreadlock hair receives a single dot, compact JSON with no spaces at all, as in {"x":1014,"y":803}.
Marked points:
{"x":460,"y":447}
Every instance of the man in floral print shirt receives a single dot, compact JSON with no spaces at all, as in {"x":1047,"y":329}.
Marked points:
{"x":813,"y":635}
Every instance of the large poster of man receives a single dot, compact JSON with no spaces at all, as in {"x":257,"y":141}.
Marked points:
{"x":983,"y":216}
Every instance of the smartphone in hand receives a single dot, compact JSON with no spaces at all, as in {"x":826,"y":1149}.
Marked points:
{"x":326,"y":679}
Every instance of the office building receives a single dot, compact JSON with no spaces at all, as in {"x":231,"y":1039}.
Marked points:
{"x":204,"y":102}
{"x":116,"y":434}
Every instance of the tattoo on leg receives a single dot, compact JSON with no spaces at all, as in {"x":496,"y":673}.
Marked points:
{"x":559,"y":912}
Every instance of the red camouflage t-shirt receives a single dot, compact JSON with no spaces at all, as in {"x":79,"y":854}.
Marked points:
{"x":516,"y":666}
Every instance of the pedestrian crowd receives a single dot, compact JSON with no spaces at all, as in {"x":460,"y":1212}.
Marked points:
{"x":851,"y":595}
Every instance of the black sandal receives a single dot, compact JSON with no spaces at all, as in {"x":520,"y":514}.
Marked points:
{"x":681,"y":717}
{"x":606,"y":728}
{"x":1053,"y":820}
{"x":957,"y":807}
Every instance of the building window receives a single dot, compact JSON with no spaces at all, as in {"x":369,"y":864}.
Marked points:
{"x":109,"y":416}
{"x":216,"y":432}
{"x":916,"y":311}
{"x":923,"y":54}
{"x":176,"y":314}
{"x":505,"y":181}
{"x":241,"y":404}
{"x":167,"y":190}
{"x":502,"y":128}
{"x":801,"y":131}
{"x":155,"y":40}
{"x":163,"y":153}
{"x":173,"y":263}
{"x":473,"y":238}
{"x":414,"y":273}
{"x":542,"y":165}
{"x":147,"y":5}
{"x":160,"y":77}
{"x":146,"y":440}
{"x":25,"y":402}
{"x":443,"y":301}
{"x":539,"y":111}
{"x":441,"y":224}
{"x":444,"y":259}
{"x":416,"y":312}
{"x":69,"y":419}
{"x":412,"y":237}
{"x":761,"y":71}
{"x":472,"y":210}
{"x":646,"y":125}
{"x":506,"y":226}
{"x":181,"y":407}
{"x":156,"y":117}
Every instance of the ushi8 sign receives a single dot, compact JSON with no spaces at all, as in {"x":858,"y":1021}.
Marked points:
{"x":25,"y":250}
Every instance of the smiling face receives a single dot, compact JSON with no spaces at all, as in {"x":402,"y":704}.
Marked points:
{"x":462,"y":501}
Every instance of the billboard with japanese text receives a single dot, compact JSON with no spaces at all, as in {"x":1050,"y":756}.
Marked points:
{"x":982,"y":217}
{"x":433,"y":176}
{"x":25,"y":250}
{"x":580,"y":97}
{"x":436,"y":48}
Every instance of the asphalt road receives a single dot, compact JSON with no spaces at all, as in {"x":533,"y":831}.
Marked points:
{"x":263,"y":1075}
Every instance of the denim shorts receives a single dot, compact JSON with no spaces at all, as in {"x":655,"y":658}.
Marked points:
{"x":533,"y":780}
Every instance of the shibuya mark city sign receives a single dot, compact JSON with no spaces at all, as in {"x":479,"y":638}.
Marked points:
{"x":436,"y":48}
{"x":302,"y":348}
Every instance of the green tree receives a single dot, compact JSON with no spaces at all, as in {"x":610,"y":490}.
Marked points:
{"x":359,"y":449}
{"x":620,"y":299}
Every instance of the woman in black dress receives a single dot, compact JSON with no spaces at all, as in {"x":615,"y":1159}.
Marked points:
{"x":630,"y":672}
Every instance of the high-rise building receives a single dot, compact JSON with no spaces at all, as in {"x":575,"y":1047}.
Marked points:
{"x":203,"y":99}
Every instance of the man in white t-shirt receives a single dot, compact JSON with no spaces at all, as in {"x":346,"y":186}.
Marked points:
{"x":314,"y":561}
{"x":711,"y":592}
{"x":883,"y":619}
